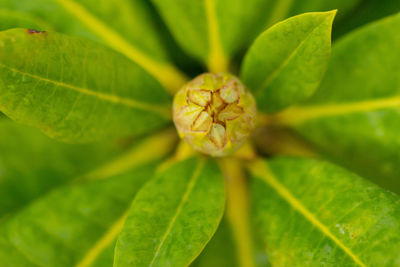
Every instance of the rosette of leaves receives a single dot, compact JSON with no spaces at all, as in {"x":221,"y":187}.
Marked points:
{"x":316,"y":184}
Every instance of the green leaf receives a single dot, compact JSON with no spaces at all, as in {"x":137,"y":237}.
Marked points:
{"x":316,"y":214}
{"x":286,"y":63}
{"x":354,"y":116}
{"x":14,"y":19}
{"x":31,"y":164}
{"x":212,"y":31}
{"x":64,"y":86}
{"x":173,"y":216}
{"x":71,"y":226}
{"x":125,"y":25}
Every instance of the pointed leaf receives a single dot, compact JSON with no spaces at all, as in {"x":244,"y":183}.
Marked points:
{"x":72,"y":226}
{"x":354,"y":116}
{"x":31,"y":164}
{"x":286,"y":63}
{"x":173,"y":216}
{"x":316,"y":214}
{"x":64,"y":86}
{"x":125,"y":25}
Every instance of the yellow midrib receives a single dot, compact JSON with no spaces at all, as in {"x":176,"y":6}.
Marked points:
{"x":217,"y":60}
{"x":237,"y":209}
{"x":103,"y":243}
{"x":163,"y":111}
{"x":297,"y":115}
{"x":261,"y":171}
{"x":167,"y":74}
{"x":191,"y":184}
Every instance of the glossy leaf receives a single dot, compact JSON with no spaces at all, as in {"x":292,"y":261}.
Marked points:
{"x":71,"y":226}
{"x":354,"y":116}
{"x":31,"y":164}
{"x":286,"y":63}
{"x":173,"y":216}
{"x":322,"y":215}
{"x":213,"y":31}
{"x":64,"y":86}
{"x":125,"y":25}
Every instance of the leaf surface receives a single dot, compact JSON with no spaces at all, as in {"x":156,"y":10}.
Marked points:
{"x":125,"y":25}
{"x":31,"y":164}
{"x":286,"y":63}
{"x":64,"y":86}
{"x":72,"y":226}
{"x":354,"y":117}
{"x":313,"y":213}
{"x":173,"y":216}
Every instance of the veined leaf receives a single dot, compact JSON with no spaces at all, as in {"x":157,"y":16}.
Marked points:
{"x":125,"y":25}
{"x":213,"y":30}
{"x":64,"y":86}
{"x":286,"y":63}
{"x":354,"y":117}
{"x":312,"y":213}
{"x":173,"y":216}
{"x":31,"y":164}
{"x":14,"y":19}
{"x":72,"y":226}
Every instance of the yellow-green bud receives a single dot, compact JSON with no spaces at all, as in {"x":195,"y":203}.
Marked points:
{"x":214,"y":113}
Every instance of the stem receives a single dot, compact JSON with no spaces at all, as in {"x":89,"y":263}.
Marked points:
{"x":238,"y":209}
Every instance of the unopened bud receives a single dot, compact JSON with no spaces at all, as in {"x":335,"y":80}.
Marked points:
{"x":214,"y":113}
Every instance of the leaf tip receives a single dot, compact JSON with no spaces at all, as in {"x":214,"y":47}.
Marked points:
{"x":332,"y":14}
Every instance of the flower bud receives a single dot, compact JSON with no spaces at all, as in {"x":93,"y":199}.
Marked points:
{"x":214,"y":113}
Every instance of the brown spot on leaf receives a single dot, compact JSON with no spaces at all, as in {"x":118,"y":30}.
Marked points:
{"x":31,"y":31}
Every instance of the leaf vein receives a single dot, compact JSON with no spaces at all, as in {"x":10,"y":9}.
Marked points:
{"x":189,"y":189}
{"x":167,"y":74}
{"x":269,"y":79}
{"x":297,"y":115}
{"x":261,"y":171}
{"x":163,"y":111}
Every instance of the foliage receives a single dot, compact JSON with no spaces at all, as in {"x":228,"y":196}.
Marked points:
{"x":101,"y":179}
